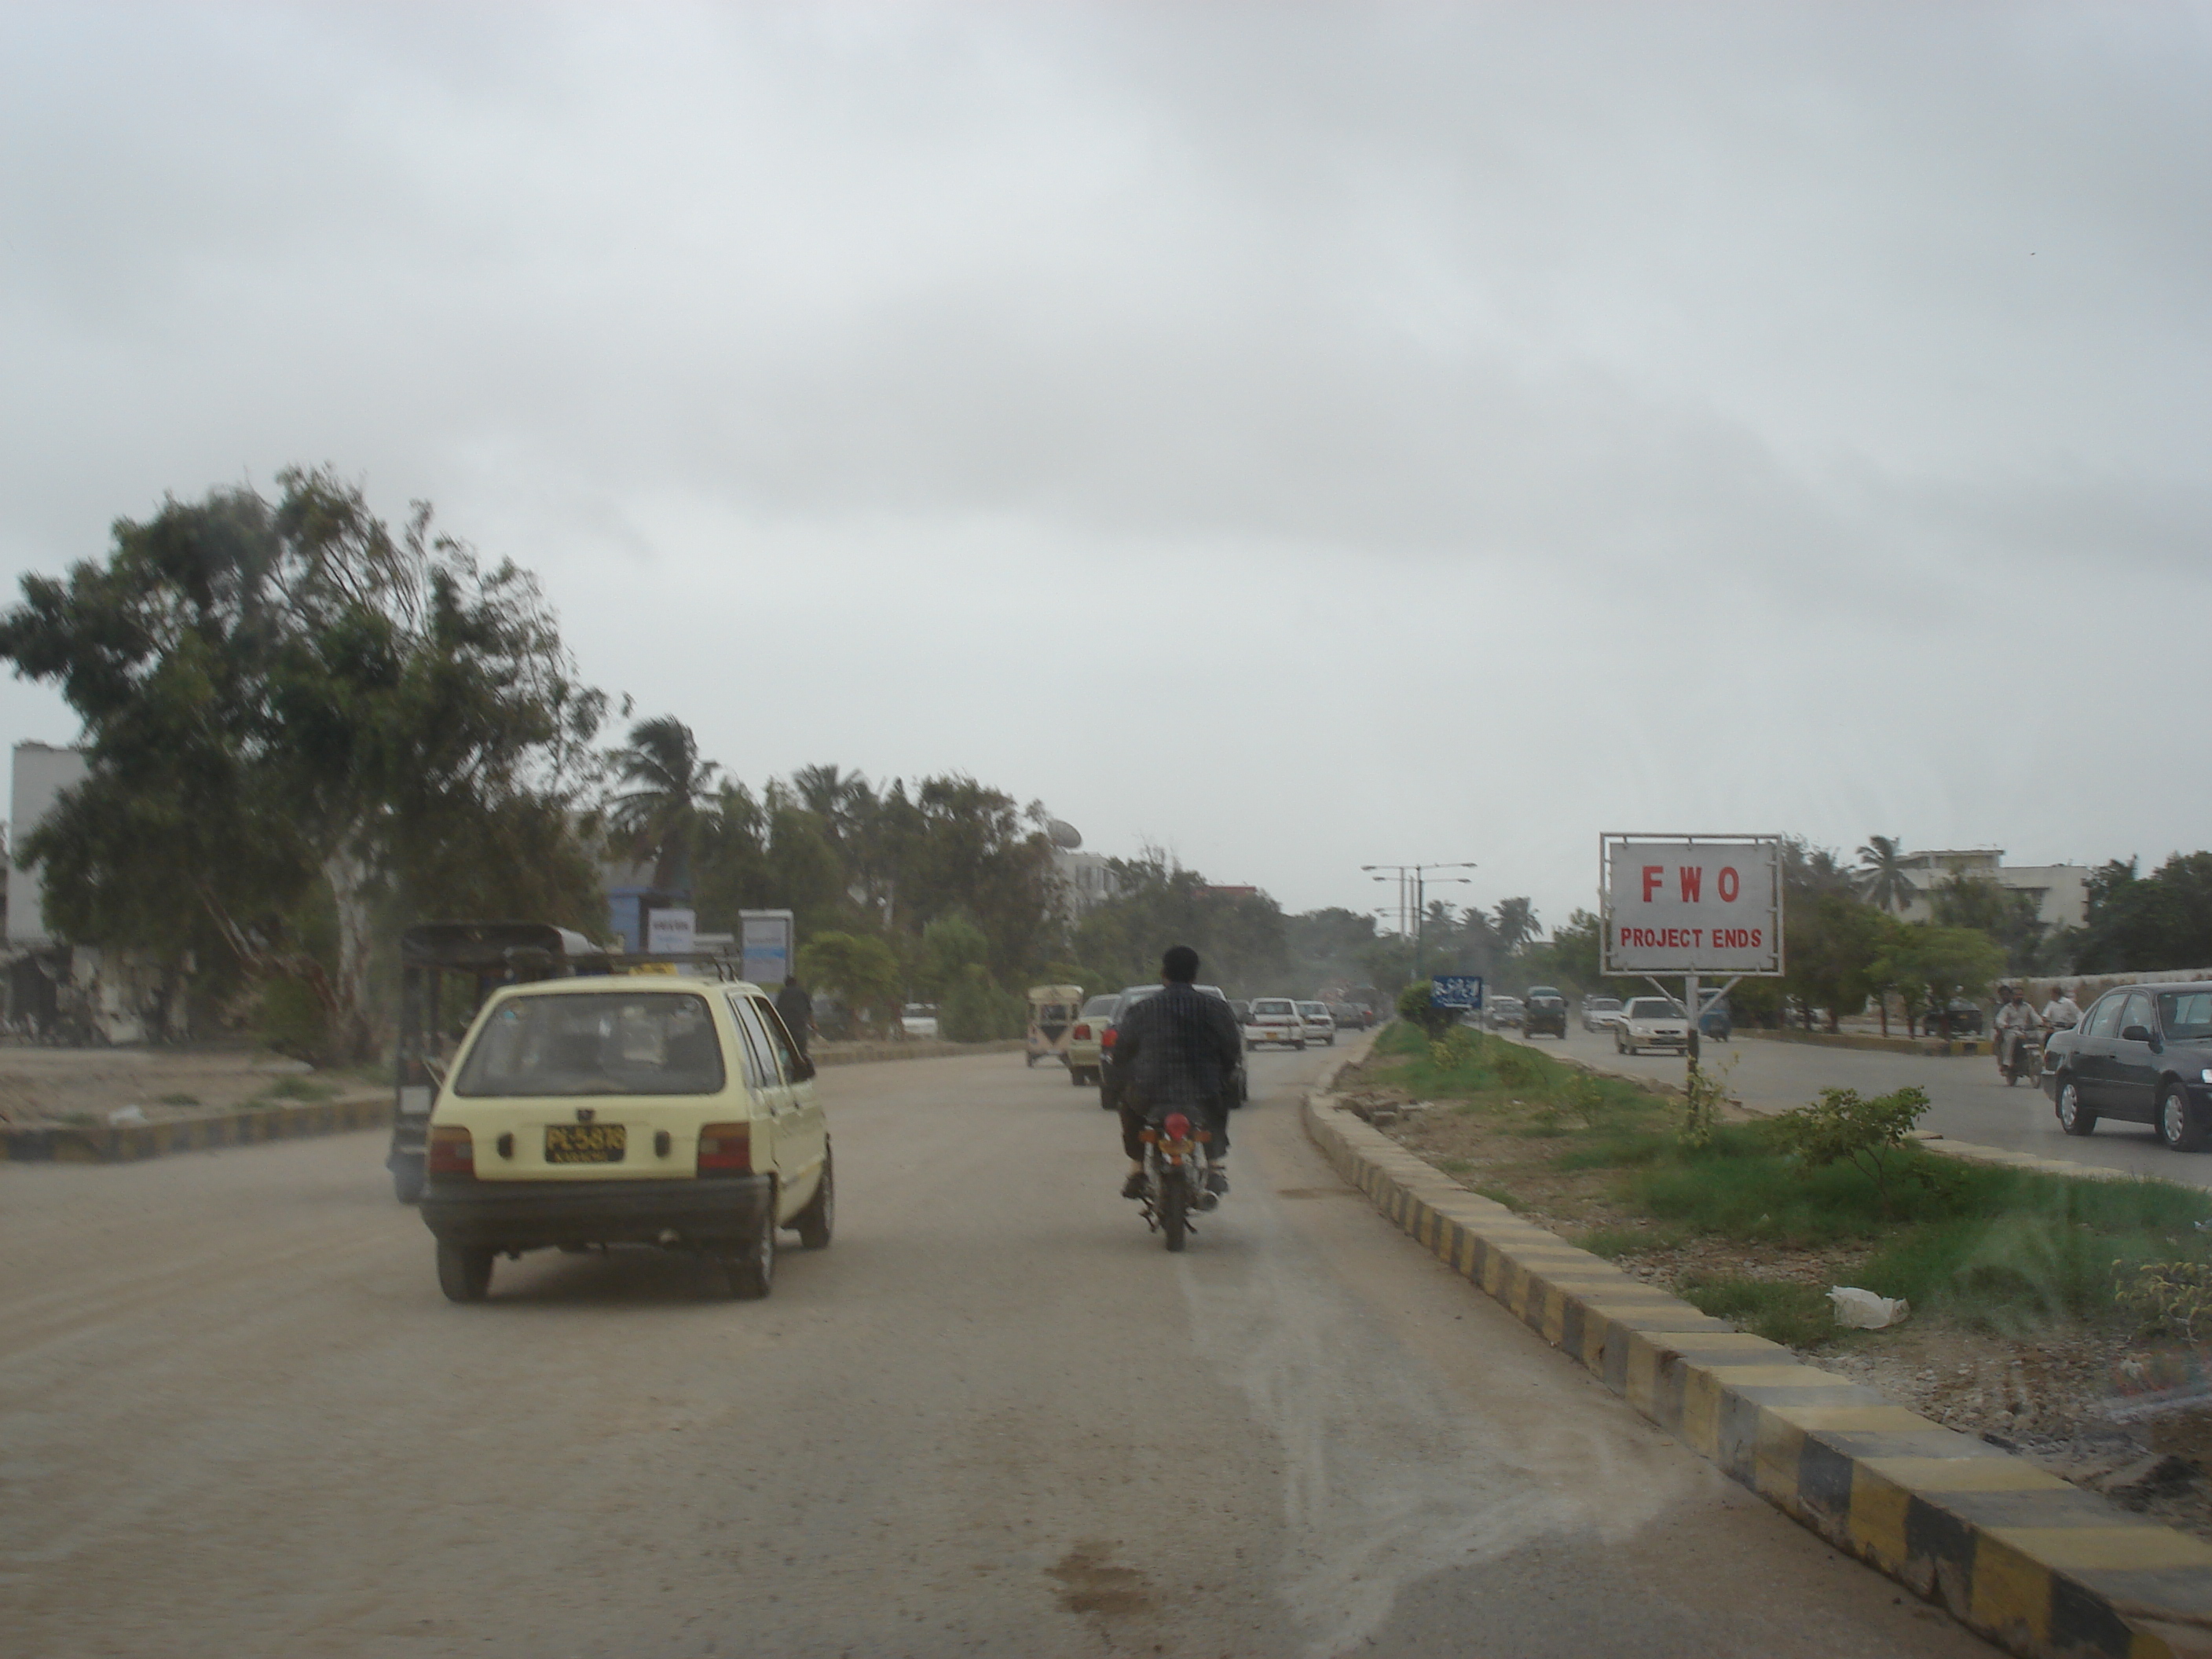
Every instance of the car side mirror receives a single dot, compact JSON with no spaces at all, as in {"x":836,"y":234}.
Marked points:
{"x":2135,"y":1034}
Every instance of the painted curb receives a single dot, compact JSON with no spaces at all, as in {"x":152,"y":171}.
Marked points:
{"x":2018,"y":1555}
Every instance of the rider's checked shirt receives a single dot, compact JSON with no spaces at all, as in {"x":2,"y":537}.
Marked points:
{"x":1178,"y":1048}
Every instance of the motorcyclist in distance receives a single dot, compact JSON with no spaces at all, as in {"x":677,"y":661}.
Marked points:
{"x":2014,"y":1020}
{"x":1177,"y":1051}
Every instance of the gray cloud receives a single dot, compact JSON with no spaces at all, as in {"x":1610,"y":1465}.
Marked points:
{"x":1484,"y":394}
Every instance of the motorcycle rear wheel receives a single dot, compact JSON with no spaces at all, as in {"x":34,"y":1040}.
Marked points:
{"x":1174,"y":1195}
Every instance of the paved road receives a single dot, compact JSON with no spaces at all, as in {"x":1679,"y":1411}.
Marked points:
{"x":1971,"y":1101}
{"x":994,"y":1418}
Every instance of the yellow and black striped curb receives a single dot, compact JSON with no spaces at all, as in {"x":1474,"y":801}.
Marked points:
{"x":2017,"y":1554}
{"x":126,"y":1143}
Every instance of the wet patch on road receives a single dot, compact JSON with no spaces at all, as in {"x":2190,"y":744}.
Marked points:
{"x":1089,"y":1584}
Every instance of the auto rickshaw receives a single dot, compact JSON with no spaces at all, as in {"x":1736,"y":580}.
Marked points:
{"x":1053,"y":1009}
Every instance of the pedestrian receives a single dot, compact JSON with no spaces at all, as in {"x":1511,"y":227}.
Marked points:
{"x":796,"y":1009}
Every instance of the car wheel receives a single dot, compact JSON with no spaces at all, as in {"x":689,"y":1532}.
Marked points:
{"x":1300,"y":1045}
{"x":1075,"y":1078}
{"x":816,"y":1221}
{"x":407,"y":1181}
{"x":464,"y":1272}
{"x":2073,"y":1116}
{"x":2177,"y":1126}
{"x":750,"y":1269}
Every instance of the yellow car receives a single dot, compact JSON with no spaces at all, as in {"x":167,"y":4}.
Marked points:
{"x":588,"y":1111}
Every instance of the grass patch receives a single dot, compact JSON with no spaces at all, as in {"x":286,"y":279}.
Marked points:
{"x":2009,"y":1251}
{"x":300,"y":1088}
{"x":1795,"y":1315}
{"x":180,"y":1100}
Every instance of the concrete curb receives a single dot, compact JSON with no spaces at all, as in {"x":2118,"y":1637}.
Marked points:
{"x":2018,"y":1555}
{"x":1937,"y":1047}
{"x":128,"y":1143}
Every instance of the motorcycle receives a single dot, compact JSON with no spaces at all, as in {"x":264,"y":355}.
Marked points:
{"x":2025,"y":1060}
{"x":1175,"y":1177}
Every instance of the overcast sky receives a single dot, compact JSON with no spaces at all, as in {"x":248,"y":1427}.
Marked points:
{"x":1299,"y":437}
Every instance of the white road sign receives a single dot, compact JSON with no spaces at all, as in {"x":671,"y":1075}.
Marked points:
{"x":668,"y":933}
{"x":1691,"y":904}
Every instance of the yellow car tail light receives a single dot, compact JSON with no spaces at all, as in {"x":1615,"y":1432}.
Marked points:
{"x":725,"y":1149}
{"x":451,"y":1151}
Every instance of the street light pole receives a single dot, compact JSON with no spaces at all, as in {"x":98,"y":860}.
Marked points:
{"x":1413,"y":883}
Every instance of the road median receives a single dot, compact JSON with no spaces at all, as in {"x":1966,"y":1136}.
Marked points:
{"x":254,"y":1126}
{"x":2015,"y":1553}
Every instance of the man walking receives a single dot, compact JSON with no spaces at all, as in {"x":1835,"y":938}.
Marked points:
{"x":796,"y":1009}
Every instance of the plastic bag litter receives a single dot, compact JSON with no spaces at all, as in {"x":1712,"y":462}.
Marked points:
{"x":133,"y":1114}
{"x":1863,"y":1311}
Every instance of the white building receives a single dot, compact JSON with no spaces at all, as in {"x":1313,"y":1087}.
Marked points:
{"x":2061,"y":891}
{"x":1085,"y":881}
{"x":41,"y":772}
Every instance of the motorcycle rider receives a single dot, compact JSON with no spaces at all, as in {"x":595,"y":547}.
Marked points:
{"x":1177,"y":1050}
{"x":2014,"y":1020}
{"x":2061,"y":1013}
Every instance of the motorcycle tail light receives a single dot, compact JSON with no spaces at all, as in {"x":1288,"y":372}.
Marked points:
{"x":451,"y":1151}
{"x":1178,"y":1126}
{"x":725,"y":1149}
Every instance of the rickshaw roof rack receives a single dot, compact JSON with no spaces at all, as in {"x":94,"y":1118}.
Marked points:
{"x":487,"y":947}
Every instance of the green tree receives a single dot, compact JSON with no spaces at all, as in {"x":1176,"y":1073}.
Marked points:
{"x":1882,"y":874}
{"x":2144,"y":923}
{"x":298,"y":713}
{"x":1516,"y":923}
{"x":949,"y":945}
{"x":1831,"y":941}
{"x":664,"y":796}
{"x":862,"y":970}
{"x":2008,"y":917}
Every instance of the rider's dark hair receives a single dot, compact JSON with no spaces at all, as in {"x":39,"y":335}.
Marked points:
{"x":1179,"y":965}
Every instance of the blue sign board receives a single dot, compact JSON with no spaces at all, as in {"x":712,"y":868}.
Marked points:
{"x":1455,"y":991}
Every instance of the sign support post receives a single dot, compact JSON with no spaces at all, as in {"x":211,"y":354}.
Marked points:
{"x":1691,"y":905}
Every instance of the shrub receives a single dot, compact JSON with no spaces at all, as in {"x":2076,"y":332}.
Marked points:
{"x":1841,"y":1128}
{"x":1415,"y":1008}
{"x":2171,"y":1296}
{"x":975,"y":1009}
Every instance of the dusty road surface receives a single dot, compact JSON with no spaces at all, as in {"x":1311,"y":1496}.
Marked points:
{"x":237,"y":1419}
{"x":1969,"y":1100}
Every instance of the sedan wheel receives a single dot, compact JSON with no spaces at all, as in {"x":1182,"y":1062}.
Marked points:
{"x":464,"y":1275}
{"x":2177,"y":1125}
{"x":2073,"y":1116}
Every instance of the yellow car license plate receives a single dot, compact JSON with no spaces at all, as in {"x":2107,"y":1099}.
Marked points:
{"x":585,"y":1142}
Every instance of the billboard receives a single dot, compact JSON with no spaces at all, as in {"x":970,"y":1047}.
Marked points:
{"x":1691,"y":904}
{"x":668,"y":933}
{"x":1455,"y":991}
{"x":764,"y":946}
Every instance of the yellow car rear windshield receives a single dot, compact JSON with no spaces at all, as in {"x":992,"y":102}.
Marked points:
{"x":621,"y":1042}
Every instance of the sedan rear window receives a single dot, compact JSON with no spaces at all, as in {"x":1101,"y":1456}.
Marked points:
{"x":1314,"y":1010}
{"x":651,"y":1042}
{"x":1274,"y":1006}
{"x":1098,"y":1008}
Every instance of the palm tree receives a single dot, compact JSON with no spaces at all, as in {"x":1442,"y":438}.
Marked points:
{"x":840,"y":799}
{"x":1881,"y":874}
{"x":669,"y":795}
{"x":1516,"y":923}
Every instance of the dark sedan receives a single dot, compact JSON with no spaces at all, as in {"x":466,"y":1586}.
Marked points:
{"x":2142,"y":1054}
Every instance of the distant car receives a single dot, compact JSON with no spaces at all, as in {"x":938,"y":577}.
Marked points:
{"x":1503,"y":1013}
{"x":1109,"y":1093}
{"x":1320,"y":1025}
{"x":1601,"y":1013}
{"x":919,"y":1019}
{"x":1090,"y":1022}
{"x":1545,"y":1009}
{"x":1273,"y":1020}
{"x":1348,"y":1016}
{"x":1242,"y":1009}
{"x":2142,"y":1054}
{"x":1717,"y":1021}
{"x":1957,"y":1017}
{"x":1652,"y":1023}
